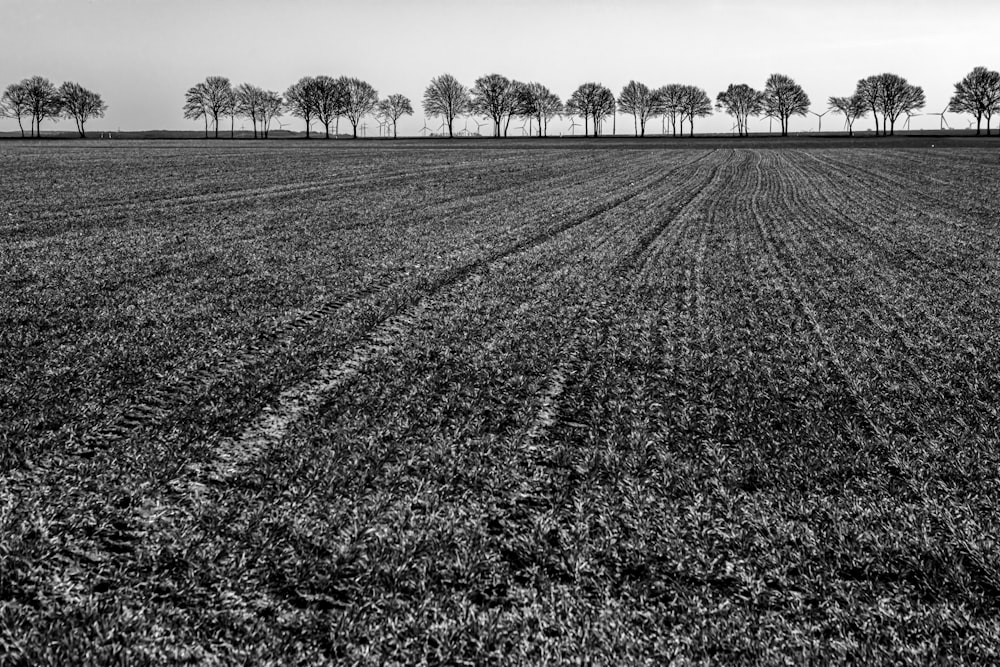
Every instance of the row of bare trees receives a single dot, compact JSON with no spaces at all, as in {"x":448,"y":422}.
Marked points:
{"x":325,"y":100}
{"x":38,"y":99}
{"x":501,"y":99}
{"x":321,"y":99}
{"x":887,"y":94}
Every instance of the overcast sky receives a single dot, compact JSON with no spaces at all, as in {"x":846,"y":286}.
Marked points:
{"x":141,"y":55}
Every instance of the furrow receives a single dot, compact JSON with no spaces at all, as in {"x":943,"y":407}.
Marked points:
{"x":790,"y":287}
{"x":831,"y":255}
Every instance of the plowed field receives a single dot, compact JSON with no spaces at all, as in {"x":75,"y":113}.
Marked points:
{"x":328,"y":403}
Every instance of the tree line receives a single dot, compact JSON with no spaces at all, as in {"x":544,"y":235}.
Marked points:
{"x":325,"y":100}
{"x":321,"y":99}
{"x":38,"y":99}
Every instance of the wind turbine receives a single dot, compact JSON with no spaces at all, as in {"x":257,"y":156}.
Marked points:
{"x":944,"y":123}
{"x":479,"y":126}
{"x":424,"y":130}
{"x":908,"y":117}
{"x":819,"y":117}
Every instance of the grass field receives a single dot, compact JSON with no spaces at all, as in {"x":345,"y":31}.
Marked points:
{"x":371,"y":403}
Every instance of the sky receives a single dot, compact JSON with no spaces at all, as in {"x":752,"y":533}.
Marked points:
{"x":142,"y":55}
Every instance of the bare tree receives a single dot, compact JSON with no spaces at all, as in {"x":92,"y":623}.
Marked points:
{"x":869,"y":91}
{"x":217,"y":99}
{"x":301,"y":99}
{"x":592,"y":101}
{"x":81,"y":104}
{"x":606,"y":106}
{"x":896,"y":97}
{"x":359,"y":100}
{"x":249,"y":103}
{"x":230,"y":109}
{"x":43,"y":101}
{"x":195,"y":106}
{"x":16,"y":103}
{"x":329,"y":100}
{"x":271,"y":106}
{"x":496,"y":97}
{"x":537,"y":102}
{"x":695,"y":102}
{"x":581,"y":103}
{"x":741,"y":101}
{"x":448,"y":98}
{"x":783,"y":98}
{"x":978,"y":94}
{"x":672,"y":105}
{"x":637,"y":99}
{"x":852,"y":108}
{"x":395,"y":107}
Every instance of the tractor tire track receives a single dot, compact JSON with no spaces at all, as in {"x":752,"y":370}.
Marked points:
{"x":156,"y":405}
{"x":571,"y":370}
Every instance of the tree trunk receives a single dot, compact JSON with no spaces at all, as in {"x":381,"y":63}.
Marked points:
{"x":979,"y":122}
{"x":232,"y":127}
{"x":216,"y":122}
{"x":83,"y":132}
{"x":206,"y":126}
{"x":20,"y":125}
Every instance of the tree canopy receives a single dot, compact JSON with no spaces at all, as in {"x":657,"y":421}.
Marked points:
{"x":448,"y":98}
{"x":81,"y":104}
{"x":741,"y":101}
{"x":978,"y":94}
{"x":783,"y":98}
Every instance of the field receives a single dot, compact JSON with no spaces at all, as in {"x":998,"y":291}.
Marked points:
{"x":365,"y":402}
